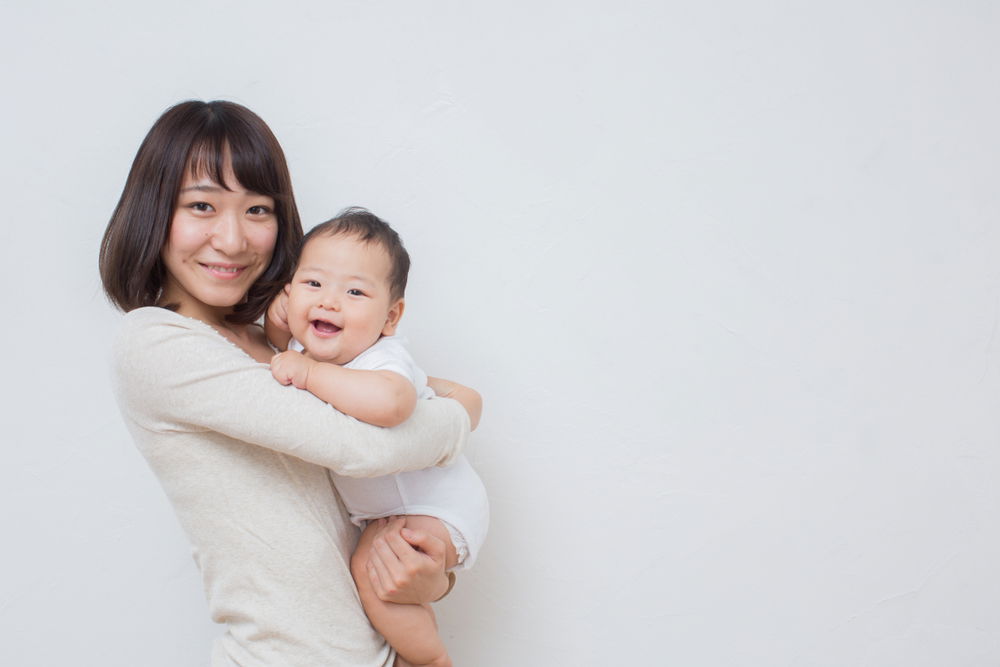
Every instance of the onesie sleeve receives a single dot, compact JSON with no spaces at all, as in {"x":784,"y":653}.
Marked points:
{"x":389,"y":354}
{"x":177,"y":374}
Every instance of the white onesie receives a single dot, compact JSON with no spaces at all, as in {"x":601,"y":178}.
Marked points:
{"x":452,"y":493}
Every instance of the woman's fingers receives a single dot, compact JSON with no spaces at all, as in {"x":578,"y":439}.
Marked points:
{"x":378,"y":576}
{"x":392,"y":550}
{"x":399,"y":573}
{"x":383,"y":563}
{"x":393,"y":539}
{"x":429,"y":544}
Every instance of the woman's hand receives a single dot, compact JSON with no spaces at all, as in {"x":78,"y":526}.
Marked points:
{"x":407,"y":566}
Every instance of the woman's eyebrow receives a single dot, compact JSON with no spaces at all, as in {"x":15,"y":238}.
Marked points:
{"x":213,"y":187}
{"x":203,"y":187}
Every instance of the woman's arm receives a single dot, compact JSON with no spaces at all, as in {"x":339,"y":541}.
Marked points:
{"x":175,"y":373}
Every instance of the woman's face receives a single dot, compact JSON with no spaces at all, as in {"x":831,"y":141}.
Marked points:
{"x":220,"y":242}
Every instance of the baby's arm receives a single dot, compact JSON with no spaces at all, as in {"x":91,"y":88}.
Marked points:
{"x":276,"y":321}
{"x":382,"y":398}
{"x":468,"y":397}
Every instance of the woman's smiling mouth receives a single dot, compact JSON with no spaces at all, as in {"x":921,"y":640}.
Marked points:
{"x":224,"y":271}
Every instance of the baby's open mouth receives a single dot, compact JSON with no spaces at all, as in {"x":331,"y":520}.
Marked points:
{"x":324,"y":327}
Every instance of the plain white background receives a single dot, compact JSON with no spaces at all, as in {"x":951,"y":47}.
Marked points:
{"x":727,"y":274}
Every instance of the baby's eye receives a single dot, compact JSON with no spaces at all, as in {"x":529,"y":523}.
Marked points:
{"x":355,"y":292}
{"x":313,"y":283}
{"x":259,"y":210}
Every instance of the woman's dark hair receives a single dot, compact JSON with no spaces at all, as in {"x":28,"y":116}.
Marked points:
{"x":198,"y":137}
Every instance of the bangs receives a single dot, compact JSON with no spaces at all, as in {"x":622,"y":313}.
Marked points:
{"x":253,"y":160}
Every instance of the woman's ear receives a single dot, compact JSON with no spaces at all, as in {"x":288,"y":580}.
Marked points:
{"x":392,"y":319}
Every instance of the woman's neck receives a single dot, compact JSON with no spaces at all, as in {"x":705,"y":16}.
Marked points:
{"x":213,"y":317}
{"x":179,"y":300}
{"x":248,"y":337}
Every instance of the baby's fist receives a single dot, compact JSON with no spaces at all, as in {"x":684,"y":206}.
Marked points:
{"x":291,"y":367}
{"x":277,"y":312}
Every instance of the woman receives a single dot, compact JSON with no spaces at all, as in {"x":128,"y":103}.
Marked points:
{"x":204,"y":235}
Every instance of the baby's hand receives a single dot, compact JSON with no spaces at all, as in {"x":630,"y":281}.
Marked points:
{"x":277,"y":312}
{"x":291,"y":367}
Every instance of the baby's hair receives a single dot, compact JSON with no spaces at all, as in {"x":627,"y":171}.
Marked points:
{"x":368,"y":228}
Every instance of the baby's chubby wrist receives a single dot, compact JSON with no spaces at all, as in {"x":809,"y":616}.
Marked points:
{"x":307,"y":365}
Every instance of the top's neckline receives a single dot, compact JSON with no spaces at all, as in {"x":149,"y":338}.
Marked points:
{"x":201,"y":324}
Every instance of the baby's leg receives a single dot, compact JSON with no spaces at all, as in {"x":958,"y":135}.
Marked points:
{"x":409,"y":628}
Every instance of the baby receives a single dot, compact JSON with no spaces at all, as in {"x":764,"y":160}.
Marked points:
{"x":338,"y":320}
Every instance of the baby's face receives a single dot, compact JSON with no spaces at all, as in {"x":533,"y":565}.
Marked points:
{"x":339,"y":304}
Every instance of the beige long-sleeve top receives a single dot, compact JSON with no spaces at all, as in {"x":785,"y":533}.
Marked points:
{"x":244,"y":461}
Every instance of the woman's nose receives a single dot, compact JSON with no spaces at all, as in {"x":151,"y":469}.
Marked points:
{"x":228,"y":236}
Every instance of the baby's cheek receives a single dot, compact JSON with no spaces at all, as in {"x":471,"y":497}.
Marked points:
{"x":298,"y":319}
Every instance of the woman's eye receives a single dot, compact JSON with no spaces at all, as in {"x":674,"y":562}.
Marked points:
{"x":258,"y":210}
{"x":355,"y":292}
{"x":200,"y":206}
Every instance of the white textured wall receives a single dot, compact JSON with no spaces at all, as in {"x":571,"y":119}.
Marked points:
{"x":727,"y":275}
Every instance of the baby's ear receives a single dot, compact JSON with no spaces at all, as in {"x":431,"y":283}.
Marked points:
{"x":393,"y":317}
